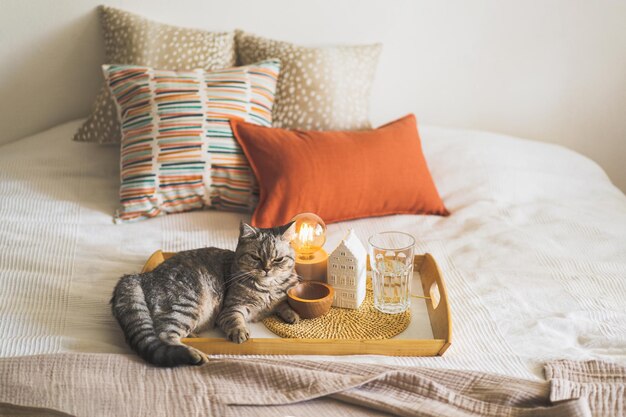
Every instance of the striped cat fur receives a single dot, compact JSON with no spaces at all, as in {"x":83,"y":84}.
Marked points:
{"x":196,"y":289}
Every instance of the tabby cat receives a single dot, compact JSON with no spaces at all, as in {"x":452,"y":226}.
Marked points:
{"x":196,"y":289}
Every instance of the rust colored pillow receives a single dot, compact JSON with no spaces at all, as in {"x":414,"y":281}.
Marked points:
{"x":338,"y":175}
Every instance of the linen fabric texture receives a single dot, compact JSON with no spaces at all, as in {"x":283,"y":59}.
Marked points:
{"x":130,"y":39}
{"x":319,"y":88}
{"x":339,"y":175}
{"x":72,"y":383}
{"x":178,"y":152}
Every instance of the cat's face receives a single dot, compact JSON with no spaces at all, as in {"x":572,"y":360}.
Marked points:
{"x":265,"y":254}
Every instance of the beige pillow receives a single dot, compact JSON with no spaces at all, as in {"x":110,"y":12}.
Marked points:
{"x":130,"y":39}
{"x":318,"y":88}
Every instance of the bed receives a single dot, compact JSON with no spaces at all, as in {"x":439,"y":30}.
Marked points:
{"x":534,"y":253}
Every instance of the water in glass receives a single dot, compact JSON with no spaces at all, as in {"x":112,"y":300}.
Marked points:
{"x":391,"y":260}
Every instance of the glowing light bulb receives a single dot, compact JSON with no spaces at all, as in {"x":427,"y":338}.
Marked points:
{"x":310,"y":235}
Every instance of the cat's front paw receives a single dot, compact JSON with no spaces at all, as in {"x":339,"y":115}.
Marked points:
{"x":289,"y":316}
{"x":239,"y":334}
{"x":198,"y":358}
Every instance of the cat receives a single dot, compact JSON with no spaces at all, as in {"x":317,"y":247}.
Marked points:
{"x":196,"y":289}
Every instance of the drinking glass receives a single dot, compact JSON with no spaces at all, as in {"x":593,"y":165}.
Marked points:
{"x":391,"y":260}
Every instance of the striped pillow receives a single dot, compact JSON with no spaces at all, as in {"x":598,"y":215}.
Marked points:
{"x":178,"y":152}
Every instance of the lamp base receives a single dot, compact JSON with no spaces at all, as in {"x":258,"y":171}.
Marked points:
{"x":313,"y":269}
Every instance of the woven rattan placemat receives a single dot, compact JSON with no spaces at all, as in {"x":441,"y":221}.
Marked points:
{"x":343,"y":323}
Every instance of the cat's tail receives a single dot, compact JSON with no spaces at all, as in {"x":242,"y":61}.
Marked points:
{"x":131,"y":311}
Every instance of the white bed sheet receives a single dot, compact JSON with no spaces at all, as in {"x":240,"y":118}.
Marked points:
{"x":534,"y":253}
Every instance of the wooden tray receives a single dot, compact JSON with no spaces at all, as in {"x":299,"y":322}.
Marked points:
{"x":263,"y":342}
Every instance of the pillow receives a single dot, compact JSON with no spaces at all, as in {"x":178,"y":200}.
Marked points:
{"x":319,"y":88}
{"x":338,"y":175}
{"x":178,"y":152}
{"x":131,"y":39}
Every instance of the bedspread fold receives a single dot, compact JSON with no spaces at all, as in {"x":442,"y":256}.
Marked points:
{"x":123,"y":385}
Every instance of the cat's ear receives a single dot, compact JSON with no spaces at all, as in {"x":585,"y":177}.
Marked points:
{"x":246,"y":231}
{"x":288,"y":231}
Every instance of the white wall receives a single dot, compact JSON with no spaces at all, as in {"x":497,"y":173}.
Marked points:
{"x":552,"y":70}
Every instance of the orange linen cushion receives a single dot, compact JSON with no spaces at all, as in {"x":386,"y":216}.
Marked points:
{"x":338,"y":175}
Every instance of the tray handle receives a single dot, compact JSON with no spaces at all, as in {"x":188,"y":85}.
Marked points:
{"x":438,"y":307}
{"x":156,"y":259}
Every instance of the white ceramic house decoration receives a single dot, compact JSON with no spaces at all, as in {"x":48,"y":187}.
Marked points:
{"x":347,"y":270}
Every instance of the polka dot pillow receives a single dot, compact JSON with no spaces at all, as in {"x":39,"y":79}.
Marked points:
{"x":130,"y":39}
{"x":319,"y":88}
{"x":178,"y":151}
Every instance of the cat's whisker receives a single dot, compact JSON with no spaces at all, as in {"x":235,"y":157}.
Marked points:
{"x":239,"y":274}
{"x":237,"y":277}
{"x":237,"y":281}
{"x":300,"y":277}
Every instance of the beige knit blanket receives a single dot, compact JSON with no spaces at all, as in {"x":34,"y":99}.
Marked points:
{"x":122,"y":385}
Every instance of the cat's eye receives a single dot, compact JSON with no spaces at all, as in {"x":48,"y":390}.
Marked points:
{"x":279,"y":260}
{"x":255,"y":258}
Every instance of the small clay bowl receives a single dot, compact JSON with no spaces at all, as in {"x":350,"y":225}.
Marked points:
{"x":311,"y":299}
